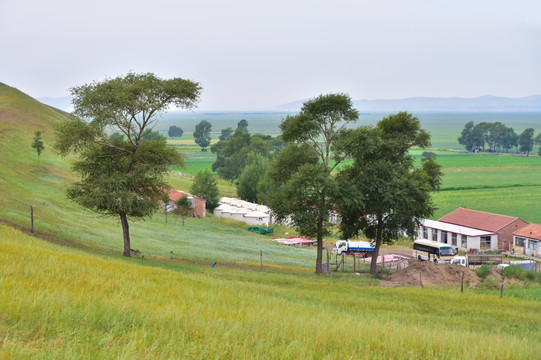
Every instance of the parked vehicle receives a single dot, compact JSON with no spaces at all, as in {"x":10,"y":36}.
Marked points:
{"x":349,"y":247}
{"x":460,"y":260}
{"x":440,"y":253}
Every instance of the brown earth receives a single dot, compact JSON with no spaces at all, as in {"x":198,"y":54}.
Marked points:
{"x":432,"y":274}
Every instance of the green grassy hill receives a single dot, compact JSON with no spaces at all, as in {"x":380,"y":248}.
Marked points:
{"x":59,"y":303}
{"x":25,"y":183}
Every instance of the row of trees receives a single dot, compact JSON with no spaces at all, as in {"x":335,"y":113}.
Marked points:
{"x":301,"y":175}
{"x":497,"y":137}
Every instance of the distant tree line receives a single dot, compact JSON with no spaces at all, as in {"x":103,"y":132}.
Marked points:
{"x":496,"y":137}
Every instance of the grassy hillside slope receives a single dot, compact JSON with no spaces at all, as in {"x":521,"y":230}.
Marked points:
{"x":57,"y":302}
{"x":24,"y":183}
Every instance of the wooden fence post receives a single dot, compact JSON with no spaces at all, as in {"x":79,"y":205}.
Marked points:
{"x":503,"y":281}
{"x":32,"y":219}
{"x":462,"y":283}
{"x":421,"y":279}
{"x":261,"y":258}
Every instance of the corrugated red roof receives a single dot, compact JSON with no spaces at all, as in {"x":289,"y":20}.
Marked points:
{"x":478,"y":219}
{"x":532,"y":231}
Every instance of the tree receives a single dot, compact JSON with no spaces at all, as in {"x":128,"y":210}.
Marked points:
{"x":204,"y":186}
{"x":247,"y":184}
{"x":242,"y":125}
{"x":232,"y":154}
{"x":201,"y":134}
{"x":427,"y":155}
{"x":465,"y":136}
{"x":525,"y":141}
{"x":183,"y":209}
{"x":148,"y":134}
{"x":382,"y":194}
{"x":38,"y":143}
{"x":175,"y":131}
{"x":123,"y":176}
{"x":538,"y":142}
{"x":302,"y":172}
{"x":227,"y":134}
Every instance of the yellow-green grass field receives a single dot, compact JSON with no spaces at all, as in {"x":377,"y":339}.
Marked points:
{"x":61,"y":303}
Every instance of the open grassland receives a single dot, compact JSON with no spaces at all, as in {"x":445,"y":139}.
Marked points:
{"x":57,"y":302}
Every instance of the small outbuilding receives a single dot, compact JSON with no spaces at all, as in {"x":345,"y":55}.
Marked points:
{"x":527,"y":240}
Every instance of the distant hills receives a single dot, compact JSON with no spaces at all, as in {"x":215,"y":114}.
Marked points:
{"x":486,"y":103}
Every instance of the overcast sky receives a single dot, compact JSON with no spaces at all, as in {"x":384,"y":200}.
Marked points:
{"x":251,"y":54}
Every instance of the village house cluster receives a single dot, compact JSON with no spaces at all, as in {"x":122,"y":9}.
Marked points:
{"x":473,"y":230}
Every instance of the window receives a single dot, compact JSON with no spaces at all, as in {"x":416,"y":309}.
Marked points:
{"x":464,"y":241}
{"x":485,"y":242}
{"x":444,"y":237}
{"x":425,"y":232}
{"x":434,"y":234}
{"x":454,"y":239}
{"x":520,"y":241}
{"x":532,"y":245}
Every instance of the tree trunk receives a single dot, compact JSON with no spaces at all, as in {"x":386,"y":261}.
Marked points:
{"x":126,"y":233}
{"x":319,"y":258}
{"x":374,"y":261}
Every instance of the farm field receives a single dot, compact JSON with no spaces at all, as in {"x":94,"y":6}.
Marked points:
{"x":60,"y":302}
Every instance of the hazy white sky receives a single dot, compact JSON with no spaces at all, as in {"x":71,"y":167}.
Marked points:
{"x":250,"y":54}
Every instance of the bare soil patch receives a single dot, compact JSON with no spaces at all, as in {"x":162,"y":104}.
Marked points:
{"x":432,"y":274}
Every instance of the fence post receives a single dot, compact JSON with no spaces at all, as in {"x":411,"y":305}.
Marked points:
{"x":32,"y":219}
{"x":421,"y":279}
{"x":261,"y":258}
{"x":503,"y":280}
{"x":462,"y":283}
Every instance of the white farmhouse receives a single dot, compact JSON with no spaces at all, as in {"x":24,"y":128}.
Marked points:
{"x":460,"y":237}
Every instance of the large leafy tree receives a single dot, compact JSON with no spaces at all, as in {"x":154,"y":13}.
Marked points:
{"x":122,"y":176}
{"x":303,"y":171}
{"x":201,"y":135}
{"x":382,"y":194}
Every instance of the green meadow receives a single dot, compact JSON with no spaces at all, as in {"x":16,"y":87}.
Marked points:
{"x":58,"y":302}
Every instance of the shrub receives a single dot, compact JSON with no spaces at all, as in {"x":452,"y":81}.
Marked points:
{"x":483,"y":271}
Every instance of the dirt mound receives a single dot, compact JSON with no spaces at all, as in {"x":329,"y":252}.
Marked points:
{"x":433,"y":274}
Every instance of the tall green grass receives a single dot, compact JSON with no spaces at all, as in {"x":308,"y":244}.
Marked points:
{"x":58,"y":302}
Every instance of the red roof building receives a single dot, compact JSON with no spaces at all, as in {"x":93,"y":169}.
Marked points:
{"x":503,"y":225}
{"x":198,"y":204}
{"x":528,"y":240}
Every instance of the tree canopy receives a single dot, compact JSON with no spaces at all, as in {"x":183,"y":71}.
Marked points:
{"x":227,"y":134}
{"x":205,"y":186}
{"x":175,"y":131}
{"x":232,"y":154}
{"x":242,"y":125}
{"x":301,"y":174}
{"x":382,"y":194}
{"x":525,"y":141}
{"x":201,"y":134}
{"x":122,"y":175}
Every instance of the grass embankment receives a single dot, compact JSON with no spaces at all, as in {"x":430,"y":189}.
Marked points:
{"x":57,"y":302}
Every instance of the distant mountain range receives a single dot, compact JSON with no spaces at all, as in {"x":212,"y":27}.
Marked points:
{"x":486,"y":103}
